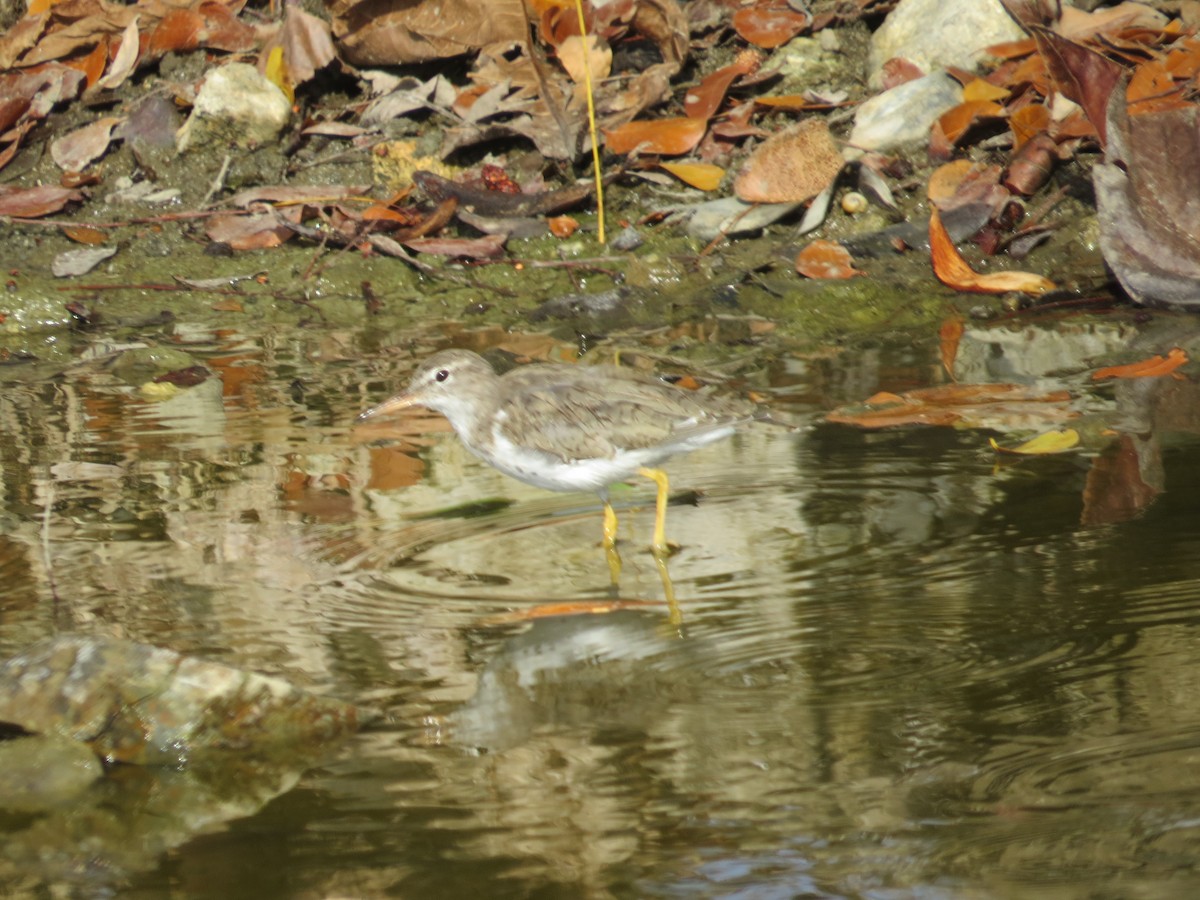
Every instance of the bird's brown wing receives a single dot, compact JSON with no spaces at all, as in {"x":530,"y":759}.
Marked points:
{"x":592,"y":412}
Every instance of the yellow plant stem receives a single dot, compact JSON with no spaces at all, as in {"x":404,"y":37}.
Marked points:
{"x":591,"y":108}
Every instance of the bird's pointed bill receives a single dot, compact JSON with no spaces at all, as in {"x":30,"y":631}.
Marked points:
{"x":391,"y":405}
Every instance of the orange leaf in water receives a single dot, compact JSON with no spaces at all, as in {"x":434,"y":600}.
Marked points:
{"x":952,"y":270}
{"x":949,"y":404}
{"x":826,"y":260}
{"x":672,"y":137}
{"x":1153,"y":367}
{"x":703,"y":176}
{"x":949,"y":336}
{"x":792,"y":166}
{"x":769,"y":26}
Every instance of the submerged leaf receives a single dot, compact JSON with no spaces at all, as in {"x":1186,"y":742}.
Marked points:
{"x":1154,"y":367}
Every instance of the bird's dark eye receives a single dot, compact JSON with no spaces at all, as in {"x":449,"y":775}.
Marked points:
{"x":442,"y":375}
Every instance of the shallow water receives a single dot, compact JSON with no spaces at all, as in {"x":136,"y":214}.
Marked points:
{"x":901,"y":669}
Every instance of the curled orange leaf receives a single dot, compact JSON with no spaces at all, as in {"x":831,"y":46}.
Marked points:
{"x":953,"y":271}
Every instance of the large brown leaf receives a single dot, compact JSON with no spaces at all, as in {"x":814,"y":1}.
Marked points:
{"x":390,"y":32}
{"x":1148,"y":199}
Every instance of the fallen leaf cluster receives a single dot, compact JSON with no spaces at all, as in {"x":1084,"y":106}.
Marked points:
{"x":539,"y":72}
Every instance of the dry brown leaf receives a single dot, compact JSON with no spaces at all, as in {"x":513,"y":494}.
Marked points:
{"x":259,"y":231}
{"x":598,"y":58}
{"x":489,"y":246}
{"x":125,"y":61}
{"x":307,"y":44}
{"x":32,"y":203}
{"x":792,"y":166}
{"x":75,"y":151}
{"x":1149,"y":203}
{"x":401,"y":31}
{"x":769,"y":25}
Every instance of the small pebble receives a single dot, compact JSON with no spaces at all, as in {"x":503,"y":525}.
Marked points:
{"x":629,"y":239}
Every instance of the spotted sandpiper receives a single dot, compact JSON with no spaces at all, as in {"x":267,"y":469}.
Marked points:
{"x":568,"y":427}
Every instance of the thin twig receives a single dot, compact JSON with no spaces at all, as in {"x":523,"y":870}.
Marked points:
{"x":219,"y":182}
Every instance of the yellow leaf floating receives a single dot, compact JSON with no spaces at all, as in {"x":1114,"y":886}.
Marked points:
{"x":702,"y":176}
{"x":159,"y":390}
{"x":1046,"y":443}
{"x":276,"y":73}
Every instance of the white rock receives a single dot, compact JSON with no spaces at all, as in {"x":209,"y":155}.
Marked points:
{"x":939,"y":33}
{"x":902,"y":116}
{"x":236,"y":105}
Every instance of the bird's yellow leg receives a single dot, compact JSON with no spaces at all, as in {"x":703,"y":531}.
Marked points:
{"x":610,"y":543}
{"x":674,"y":613}
{"x":659,"y":477}
{"x":610,"y":526}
